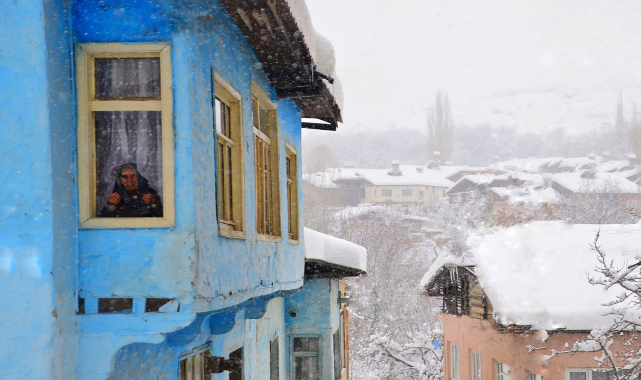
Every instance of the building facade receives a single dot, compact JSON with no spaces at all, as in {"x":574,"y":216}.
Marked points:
{"x":152,"y":227}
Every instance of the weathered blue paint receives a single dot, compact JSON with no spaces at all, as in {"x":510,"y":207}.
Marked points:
{"x":226,"y":287}
{"x":37,"y":206}
{"x":317,"y":314}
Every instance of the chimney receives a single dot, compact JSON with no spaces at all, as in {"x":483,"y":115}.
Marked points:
{"x":396,"y":171}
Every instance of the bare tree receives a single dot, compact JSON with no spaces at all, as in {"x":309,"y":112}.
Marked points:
{"x":440,"y":126}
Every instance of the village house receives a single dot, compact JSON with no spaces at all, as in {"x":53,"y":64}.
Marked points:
{"x":527,"y":286}
{"x":151,"y":219}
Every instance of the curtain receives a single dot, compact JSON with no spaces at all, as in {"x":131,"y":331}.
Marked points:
{"x":124,"y":137}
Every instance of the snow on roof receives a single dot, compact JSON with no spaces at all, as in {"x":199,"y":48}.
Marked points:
{"x":527,"y":194}
{"x":327,"y":177}
{"x":574,"y":182}
{"x":440,"y":262}
{"x":320,"y":48}
{"x":411,"y":176}
{"x":537,"y":273}
{"x":332,"y":250}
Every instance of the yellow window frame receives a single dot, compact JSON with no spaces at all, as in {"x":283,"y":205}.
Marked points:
{"x":266,"y":167}
{"x":232,"y":199}
{"x":86,"y":54}
{"x":291,"y":174}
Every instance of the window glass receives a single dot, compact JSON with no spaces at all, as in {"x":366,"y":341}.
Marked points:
{"x":306,"y":344}
{"x":578,"y":376}
{"x":274,"y":361}
{"x":306,"y":368}
{"x":127,"y":78}
{"x":129,"y":163}
{"x":236,"y":374}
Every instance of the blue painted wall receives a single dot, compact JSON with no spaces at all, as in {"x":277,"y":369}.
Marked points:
{"x":47,"y":261}
{"x":37,"y":206}
{"x":318,"y":313}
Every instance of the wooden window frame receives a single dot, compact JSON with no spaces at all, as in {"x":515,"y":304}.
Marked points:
{"x":86,"y":53}
{"x":293,"y":201}
{"x":269,"y":216}
{"x":455,"y":362}
{"x":477,"y":365}
{"x":499,"y":367}
{"x":235,"y":199}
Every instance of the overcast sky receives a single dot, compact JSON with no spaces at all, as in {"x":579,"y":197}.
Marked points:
{"x":534,"y":64}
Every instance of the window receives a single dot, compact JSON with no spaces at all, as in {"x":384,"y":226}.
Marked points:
{"x":386,"y":192}
{"x":229,"y":158}
{"x":274,"y":360}
{"x":236,"y":374}
{"x":193,"y":367}
{"x":534,"y":376}
{"x":502,"y":370}
{"x":305,"y":352}
{"x":125,"y":136}
{"x":455,"y":364}
{"x":476,"y":366}
{"x":338,"y":354}
{"x":407,"y":192}
{"x":291,"y":168}
{"x":422,"y":194}
{"x":591,"y":374}
{"x":266,"y":163}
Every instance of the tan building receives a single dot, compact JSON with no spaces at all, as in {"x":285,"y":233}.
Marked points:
{"x":525,"y":293}
{"x":406,"y":185}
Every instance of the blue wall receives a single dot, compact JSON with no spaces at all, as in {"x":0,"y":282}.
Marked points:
{"x":318,"y":313}
{"x":47,"y":262}
{"x":37,"y":207}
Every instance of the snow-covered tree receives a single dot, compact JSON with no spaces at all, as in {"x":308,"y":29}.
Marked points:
{"x":618,"y":343}
{"x":596,"y":203}
{"x":440,"y":127}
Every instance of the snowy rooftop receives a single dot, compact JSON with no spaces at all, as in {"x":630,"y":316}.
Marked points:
{"x":574,"y":182}
{"x":537,"y":273}
{"x":350,"y":257}
{"x":412,"y":175}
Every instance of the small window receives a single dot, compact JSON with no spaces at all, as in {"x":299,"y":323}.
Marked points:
{"x":236,"y":374}
{"x":592,"y":374}
{"x":422,"y":194}
{"x":229,"y":161}
{"x":306,"y":352}
{"x":386,"y":192}
{"x":266,"y":164}
{"x":125,"y":135}
{"x":534,"y":376}
{"x":291,"y":169}
{"x":274,"y":360}
{"x":455,"y":363}
{"x":407,"y":192}
{"x":476,"y":366}
{"x":336,"y":340}
{"x":193,"y":367}
{"x":502,"y":371}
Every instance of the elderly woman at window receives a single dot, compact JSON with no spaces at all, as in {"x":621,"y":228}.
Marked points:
{"x":132,"y":197}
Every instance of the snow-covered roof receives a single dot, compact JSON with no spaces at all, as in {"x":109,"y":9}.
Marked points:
{"x":444,"y":261}
{"x":537,"y":273}
{"x":334,"y":251}
{"x":412,"y":175}
{"x":574,"y":182}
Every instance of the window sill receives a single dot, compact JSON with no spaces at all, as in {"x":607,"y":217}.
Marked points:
{"x":121,"y":223}
{"x":232,"y":234}
{"x":294,"y":241}
{"x":271,"y":238}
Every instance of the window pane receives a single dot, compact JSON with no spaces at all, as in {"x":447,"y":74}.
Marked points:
{"x":578,"y":376}
{"x":236,"y":374}
{"x":129,"y":164}
{"x":126,"y":78}
{"x":305,"y":344}
{"x":603,"y":375}
{"x":274,"y":361}
{"x":307,"y":368}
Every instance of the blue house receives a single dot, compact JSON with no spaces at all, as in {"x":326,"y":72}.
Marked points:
{"x":150,"y":223}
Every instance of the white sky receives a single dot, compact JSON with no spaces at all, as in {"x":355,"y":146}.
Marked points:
{"x":535,"y":64}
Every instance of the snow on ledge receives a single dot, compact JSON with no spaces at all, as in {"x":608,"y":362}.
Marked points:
{"x":329,"y":249}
